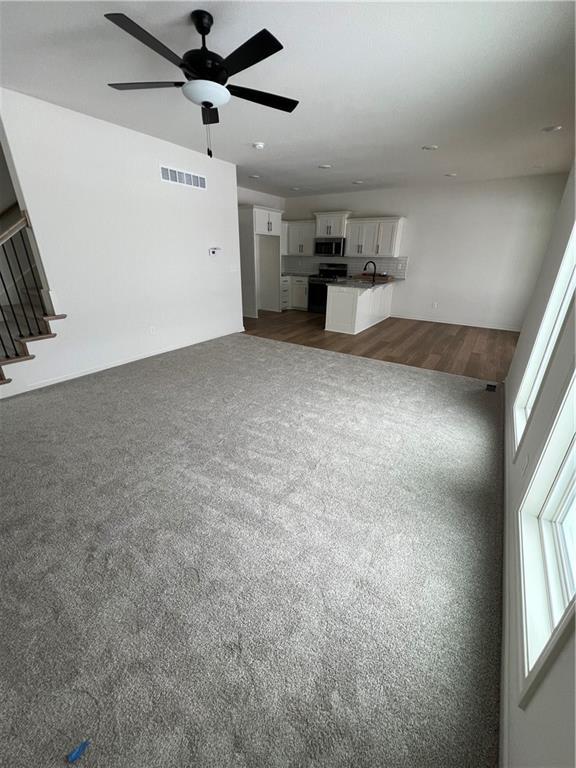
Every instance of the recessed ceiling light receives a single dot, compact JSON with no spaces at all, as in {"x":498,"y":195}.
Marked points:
{"x":325,"y":165}
{"x":358,"y":181}
{"x":258,"y":144}
{"x":552,"y":128}
{"x":295,"y":189}
{"x":450,"y":174}
{"x":254,"y":175}
{"x":430,"y":146}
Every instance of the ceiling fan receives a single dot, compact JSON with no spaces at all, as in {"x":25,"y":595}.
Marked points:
{"x":206,"y":72}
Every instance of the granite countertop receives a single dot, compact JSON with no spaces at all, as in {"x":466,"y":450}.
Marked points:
{"x":296,"y":274}
{"x":362,"y":284}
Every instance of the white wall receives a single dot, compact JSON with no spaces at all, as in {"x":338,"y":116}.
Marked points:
{"x":474,"y":248}
{"x":125,"y":254}
{"x":542,"y":735}
{"x":7,"y":193}
{"x":253,"y":197}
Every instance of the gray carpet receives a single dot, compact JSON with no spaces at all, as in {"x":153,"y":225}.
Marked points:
{"x":253,"y":554}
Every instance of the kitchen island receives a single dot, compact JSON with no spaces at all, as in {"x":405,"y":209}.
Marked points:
{"x":354,"y":305}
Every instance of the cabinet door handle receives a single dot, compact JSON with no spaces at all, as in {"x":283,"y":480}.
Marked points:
{"x":361,"y":248}
{"x":377,"y":247}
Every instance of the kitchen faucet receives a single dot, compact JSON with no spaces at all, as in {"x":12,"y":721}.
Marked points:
{"x":374,"y":273}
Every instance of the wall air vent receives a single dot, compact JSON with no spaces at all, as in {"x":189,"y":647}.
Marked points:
{"x":186,"y":178}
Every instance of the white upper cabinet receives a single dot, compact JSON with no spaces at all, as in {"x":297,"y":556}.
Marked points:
{"x":389,"y":236}
{"x":301,"y":238}
{"x":361,"y":238}
{"x":267,"y":221}
{"x":331,"y":224}
{"x":261,"y":221}
{"x":373,"y":237}
{"x":275,"y":219}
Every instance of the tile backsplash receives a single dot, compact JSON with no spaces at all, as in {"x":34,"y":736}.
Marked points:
{"x":308,"y":265}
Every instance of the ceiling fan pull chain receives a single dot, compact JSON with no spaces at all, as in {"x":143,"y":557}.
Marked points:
{"x":209,"y":140}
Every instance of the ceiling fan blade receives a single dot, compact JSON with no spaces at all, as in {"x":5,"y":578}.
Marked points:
{"x":261,"y":97}
{"x":259,"y":47}
{"x":141,"y":86}
{"x":210,"y":115}
{"x":122,"y":21}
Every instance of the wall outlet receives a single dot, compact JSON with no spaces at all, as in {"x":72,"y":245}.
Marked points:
{"x":152,"y":330}
{"x":215,"y":251}
{"x":434,"y":305}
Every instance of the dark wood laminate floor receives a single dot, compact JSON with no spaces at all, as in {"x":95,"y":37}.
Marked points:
{"x":482,"y":353}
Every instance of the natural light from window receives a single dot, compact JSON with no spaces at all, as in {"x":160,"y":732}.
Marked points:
{"x":552,"y":322}
{"x":547,"y":529}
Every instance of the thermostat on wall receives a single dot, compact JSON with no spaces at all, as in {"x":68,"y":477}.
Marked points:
{"x":215,"y":251}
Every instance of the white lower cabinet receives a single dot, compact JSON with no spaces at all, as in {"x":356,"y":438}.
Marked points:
{"x":352,"y":310}
{"x":293,"y":292}
{"x":299,"y":292}
{"x":284,"y":293}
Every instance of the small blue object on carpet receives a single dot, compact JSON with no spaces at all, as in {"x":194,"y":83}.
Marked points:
{"x":78,"y":751}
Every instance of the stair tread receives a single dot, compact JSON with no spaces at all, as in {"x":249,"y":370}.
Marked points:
{"x":9,"y":360}
{"x":49,"y":318}
{"x":36,"y":337}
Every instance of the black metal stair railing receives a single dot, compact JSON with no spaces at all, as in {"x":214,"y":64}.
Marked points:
{"x":22,"y":305}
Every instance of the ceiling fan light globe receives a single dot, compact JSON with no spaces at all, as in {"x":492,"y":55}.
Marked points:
{"x":206,"y":91}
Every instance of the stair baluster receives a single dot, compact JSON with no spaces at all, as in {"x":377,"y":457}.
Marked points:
{"x":24,"y":314}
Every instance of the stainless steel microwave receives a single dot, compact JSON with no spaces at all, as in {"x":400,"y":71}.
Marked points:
{"x":329,"y":246}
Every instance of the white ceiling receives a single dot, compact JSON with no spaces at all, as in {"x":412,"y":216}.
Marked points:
{"x":376,"y":81}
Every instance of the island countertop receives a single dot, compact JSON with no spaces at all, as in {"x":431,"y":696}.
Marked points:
{"x":362,"y":284}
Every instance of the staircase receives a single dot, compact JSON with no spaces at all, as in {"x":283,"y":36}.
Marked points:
{"x":25,"y":316}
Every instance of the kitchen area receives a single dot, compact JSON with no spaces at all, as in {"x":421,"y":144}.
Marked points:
{"x":334,"y":264}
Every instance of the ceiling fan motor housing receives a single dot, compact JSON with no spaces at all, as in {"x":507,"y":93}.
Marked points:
{"x":204,"y":64}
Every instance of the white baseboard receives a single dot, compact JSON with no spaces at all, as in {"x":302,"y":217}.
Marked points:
{"x":470,"y":323}
{"x":114,"y":364}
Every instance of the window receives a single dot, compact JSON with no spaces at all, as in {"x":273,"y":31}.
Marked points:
{"x":547,"y":536}
{"x":550,"y":327}
{"x":556,"y":521}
